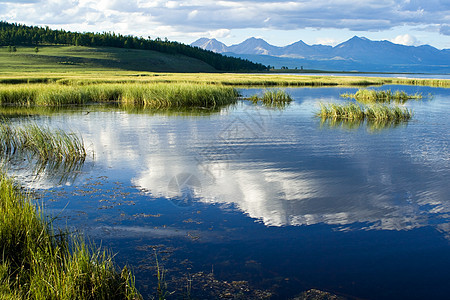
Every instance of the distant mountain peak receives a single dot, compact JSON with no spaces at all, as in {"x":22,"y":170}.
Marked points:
{"x":357,"y":53}
{"x":210,"y":44}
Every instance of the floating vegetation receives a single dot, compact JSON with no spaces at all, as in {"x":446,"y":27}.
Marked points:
{"x":373,"y":96}
{"x":39,"y":263}
{"x":272,"y":98}
{"x":353,"y":111}
{"x":156,"y":95}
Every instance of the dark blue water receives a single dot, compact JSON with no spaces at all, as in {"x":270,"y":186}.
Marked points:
{"x":273,"y":197}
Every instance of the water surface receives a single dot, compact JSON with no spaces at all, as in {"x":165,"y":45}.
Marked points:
{"x":274,"y":197}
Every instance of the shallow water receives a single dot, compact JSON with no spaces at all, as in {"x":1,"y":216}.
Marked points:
{"x":274,"y":197}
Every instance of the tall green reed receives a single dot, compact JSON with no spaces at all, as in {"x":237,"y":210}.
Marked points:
{"x":353,"y":111}
{"x":37,"y":262}
{"x":156,"y":95}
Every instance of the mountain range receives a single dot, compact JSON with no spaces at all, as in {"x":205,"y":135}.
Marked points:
{"x":356,"y":54}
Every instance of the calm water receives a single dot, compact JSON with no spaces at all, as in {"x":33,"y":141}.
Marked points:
{"x":273,"y":197}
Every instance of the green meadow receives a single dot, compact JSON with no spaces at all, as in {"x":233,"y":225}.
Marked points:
{"x":77,"y":65}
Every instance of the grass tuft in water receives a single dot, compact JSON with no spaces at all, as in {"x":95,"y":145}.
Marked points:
{"x":353,"y":111}
{"x":272,"y":98}
{"x":372,"y":96}
{"x":41,"y":143}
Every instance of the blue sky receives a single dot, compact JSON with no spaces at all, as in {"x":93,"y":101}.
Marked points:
{"x":409,"y":22}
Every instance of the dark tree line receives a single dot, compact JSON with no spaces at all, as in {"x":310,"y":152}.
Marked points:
{"x":18,"y":34}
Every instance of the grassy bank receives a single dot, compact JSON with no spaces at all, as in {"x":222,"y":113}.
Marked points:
{"x":352,"y":111}
{"x":153,"y":95}
{"x":373,"y":96}
{"x":39,"y":263}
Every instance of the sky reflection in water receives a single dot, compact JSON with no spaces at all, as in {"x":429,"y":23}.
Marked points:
{"x":280,"y":168}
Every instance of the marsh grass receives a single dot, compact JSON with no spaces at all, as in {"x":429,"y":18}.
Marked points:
{"x":179,"y":95}
{"x":353,"y":111}
{"x":373,"y":96}
{"x":272,"y":98}
{"x":41,"y":143}
{"x":39,"y":263}
{"x":157,"y":95}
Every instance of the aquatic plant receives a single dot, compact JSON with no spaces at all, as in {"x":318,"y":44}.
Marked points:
{"x":353,"y":111}
{"x":39,"y":263}
{"x":272,"y":98}
{"x":373,"y":96}
{"x":40,"y":142}
{"x":156,"y":95}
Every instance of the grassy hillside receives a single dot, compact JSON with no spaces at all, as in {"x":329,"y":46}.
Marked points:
{"x":79,"y":58}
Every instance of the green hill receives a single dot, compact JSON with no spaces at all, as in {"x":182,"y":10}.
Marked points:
{"x":79,"y":58}
{"x":14,"y":35}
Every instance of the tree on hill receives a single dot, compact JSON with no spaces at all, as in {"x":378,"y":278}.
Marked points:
{"x":18,"y":34}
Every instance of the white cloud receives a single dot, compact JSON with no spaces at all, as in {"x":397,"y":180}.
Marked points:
{"x":405,"y":39}
{"x":195,"y":16}
{"x":327,"y":41}
{"x":220,"y":33}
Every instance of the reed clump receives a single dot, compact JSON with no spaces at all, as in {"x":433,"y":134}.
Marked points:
{"x":272,"y":98}
{"x":353,"y":111}
{"x":156,"y":95}
{"x":39,"y":263}
{"x":373,"y":96}
{"x":178,"y":95}
{"x":41,"y":143}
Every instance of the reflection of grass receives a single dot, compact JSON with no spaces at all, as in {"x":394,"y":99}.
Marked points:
{"x":372,"y":96}
{"x":272,"y":98}
{"x":149,"y":95}
{"x":352,"y":111}
{"x":372,"y":125}
{"x":37,"y":263}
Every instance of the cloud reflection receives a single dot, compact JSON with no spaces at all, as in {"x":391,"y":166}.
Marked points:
{"x":311,"y":182}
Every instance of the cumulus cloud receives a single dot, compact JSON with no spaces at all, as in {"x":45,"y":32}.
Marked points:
{"x":195,"y":16}
{"x":405,"y":39}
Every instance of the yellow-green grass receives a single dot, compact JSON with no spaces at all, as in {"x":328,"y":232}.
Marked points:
{"x":387,"y":96}
{"x":88,"y":65}
{"x":41,"y":143}
{"x":89,"y":76}
{"x":150,"y":95}
{"x":272,"y":98}
{"x":352,"y":111}
{"x":37,"y":262}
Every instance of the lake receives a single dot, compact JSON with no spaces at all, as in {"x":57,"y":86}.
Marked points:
{"x":273,"y":197}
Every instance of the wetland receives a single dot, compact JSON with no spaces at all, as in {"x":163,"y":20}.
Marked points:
{"x":256,"y":201}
